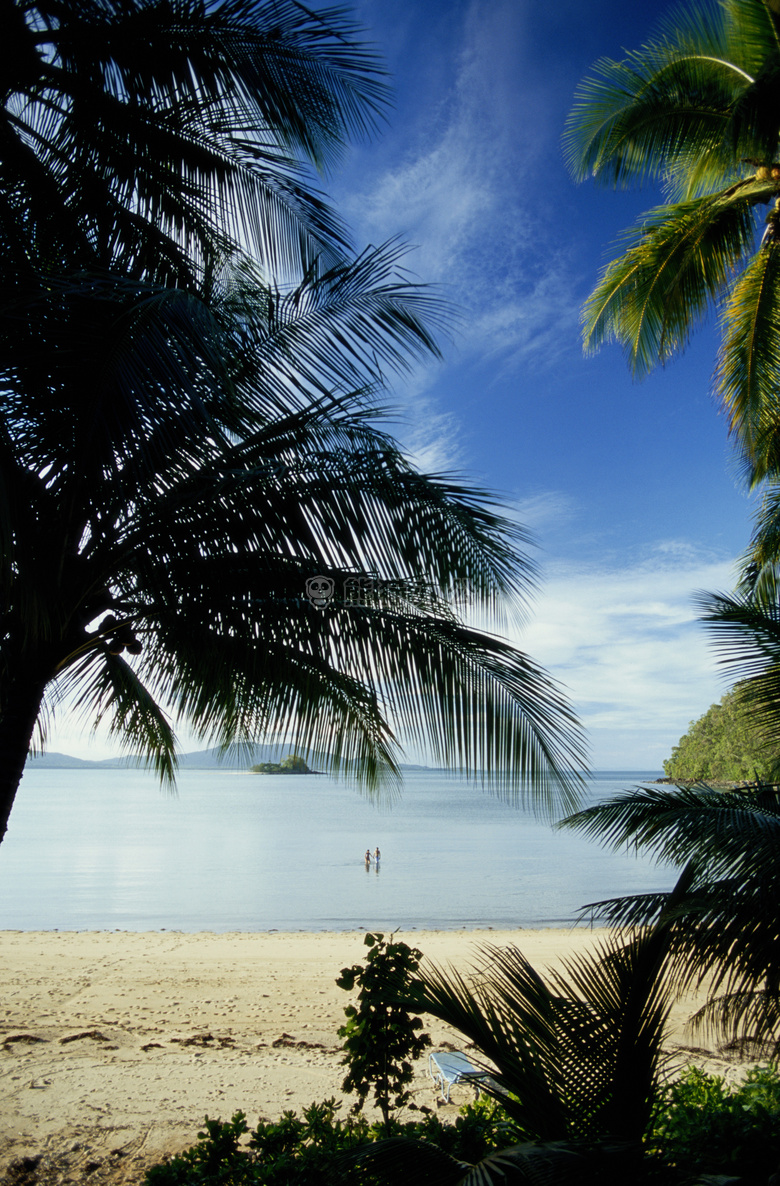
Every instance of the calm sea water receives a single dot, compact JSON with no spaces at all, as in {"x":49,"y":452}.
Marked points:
{"x":100,"y":850}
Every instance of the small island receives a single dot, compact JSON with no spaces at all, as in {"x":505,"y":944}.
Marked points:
{"x":292,"y":764}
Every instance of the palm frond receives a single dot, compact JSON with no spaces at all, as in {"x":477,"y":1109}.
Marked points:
{"x":749,"y":361}
{"x":106,"y":688}
{"x":671,"y":276}
{"x":665,"y":111}
{"x":759,"y":577}
{"x":725,"y":928}
{"x":745,"y":632}
{"x":680,"y":824}
{"x":150,"y":138}
{"x":576,"y":1054}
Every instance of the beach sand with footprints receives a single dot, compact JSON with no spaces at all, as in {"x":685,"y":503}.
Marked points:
{"x":114,"y":1045}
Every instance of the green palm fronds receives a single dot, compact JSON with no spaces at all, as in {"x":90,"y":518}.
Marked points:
{"x":193,"y":492}
{"x":724,"y":929}
{"x":695,"y":108}
{"x":574,"y":1054}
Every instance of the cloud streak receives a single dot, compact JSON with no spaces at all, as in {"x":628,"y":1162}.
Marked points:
{"x":468,"y":193}
{"x":626,"y":642}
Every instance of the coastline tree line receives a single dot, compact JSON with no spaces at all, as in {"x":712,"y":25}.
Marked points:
{"x":724,"y":746}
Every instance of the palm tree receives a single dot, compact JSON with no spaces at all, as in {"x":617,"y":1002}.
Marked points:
{"x":573,"y":1057}
{"x":190,"y":357}
{"x":725,"y":931}
{"x":176,"y":468}
{"x":695,"y":108}
{"x":151,"y":138}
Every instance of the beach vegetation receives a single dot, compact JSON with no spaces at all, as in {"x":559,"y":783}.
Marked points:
{"x":320,"y":1146}
{"x":195,"y":465}
{"x":571,"y":1055}
{"x":382,"y":1036}
{"x":723,"y":745}
{"x":704,"y":1125}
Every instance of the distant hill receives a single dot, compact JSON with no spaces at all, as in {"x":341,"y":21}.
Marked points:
{"x":206,"y":759}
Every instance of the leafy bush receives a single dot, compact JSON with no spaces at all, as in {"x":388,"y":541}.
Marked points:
{"x":294,"y":1151}
{"x":380,"y":1036}
{"x":702,"y":1125}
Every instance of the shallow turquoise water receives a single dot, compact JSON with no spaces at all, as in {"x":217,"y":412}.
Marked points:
{"x":97,"y":850}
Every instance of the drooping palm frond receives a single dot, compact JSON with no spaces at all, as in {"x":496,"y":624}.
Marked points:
{"x":108,"y":690}
{"x":673,"y":274}
{"x":149,"y":138}
{"x":759,"y":577}
{"x":667,"y":110}
{"x":749,"y":363}
{"x":726,"y":928}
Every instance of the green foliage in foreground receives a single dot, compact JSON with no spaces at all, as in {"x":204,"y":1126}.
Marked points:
{"x":701,"y":1126}
{"x":297,"y":1151}
{"x":722,"y":745}
{"x":704,"y":1126}
{"x":381,"y":1037}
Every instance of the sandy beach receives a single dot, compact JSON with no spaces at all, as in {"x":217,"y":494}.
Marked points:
{"x":115,"y":1045}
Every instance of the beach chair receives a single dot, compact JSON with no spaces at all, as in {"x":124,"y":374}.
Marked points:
{"x":447,"y":1069}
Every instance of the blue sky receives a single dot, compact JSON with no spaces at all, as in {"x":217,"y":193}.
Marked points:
{"x":630,"y":489}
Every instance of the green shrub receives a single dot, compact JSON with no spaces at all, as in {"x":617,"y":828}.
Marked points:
{"x":704,"y":1126}
{"x":216,"y":1159}
{"x":381,"y":1037}
{"x":295,"y":1151}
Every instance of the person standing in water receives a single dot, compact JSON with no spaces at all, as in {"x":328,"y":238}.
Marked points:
{"x":368,"y":856}
{"x":377,"y":854}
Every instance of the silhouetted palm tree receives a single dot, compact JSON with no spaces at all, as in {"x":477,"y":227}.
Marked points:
{"x":190,"y":358}
{"x":175,"y":470}
{"x":152,"y":137}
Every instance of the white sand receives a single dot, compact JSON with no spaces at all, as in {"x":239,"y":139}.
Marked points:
{"x":104,"y":1059}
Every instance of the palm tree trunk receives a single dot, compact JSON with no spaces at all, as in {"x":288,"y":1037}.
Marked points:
{"x":17,"y":722}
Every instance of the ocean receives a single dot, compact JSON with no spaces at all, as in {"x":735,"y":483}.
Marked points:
{"x":231,"y":851}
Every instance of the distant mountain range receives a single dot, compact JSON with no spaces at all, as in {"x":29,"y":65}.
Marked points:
{"x":206,"y":759}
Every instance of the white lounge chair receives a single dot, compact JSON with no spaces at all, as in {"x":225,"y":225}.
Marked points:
{"x":446,"y":1069}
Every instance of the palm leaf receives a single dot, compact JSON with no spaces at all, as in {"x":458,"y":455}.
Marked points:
{"x":724,"y":929}
{"x":576,"y":1054}
{"x":673,"y":273}
{"x":107,"y":689}
{"x":749,"y":363}
{"x":665,"y":111}
{"x":746,"y":634}
{"x":149,"y":138}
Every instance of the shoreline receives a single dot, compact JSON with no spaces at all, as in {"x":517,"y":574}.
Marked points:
{"x":115,"y":1044}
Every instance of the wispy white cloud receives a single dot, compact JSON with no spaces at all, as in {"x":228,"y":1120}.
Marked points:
{"x":626,"y":642}
{"x":467,"y":192}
